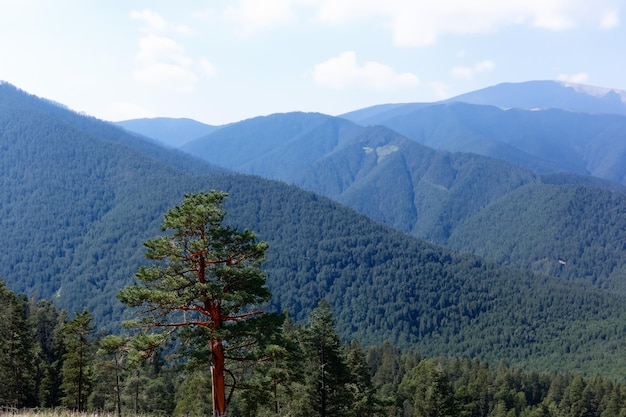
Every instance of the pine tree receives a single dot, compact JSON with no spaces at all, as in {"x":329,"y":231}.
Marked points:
{"x":364,"y":402}
{"x":326,"y":373}
{"x":111,"y":358}
{"x":207,"y":283}
{"x":78,"y":361}
{"x":17,"y":365}
{"x":48,"y":323}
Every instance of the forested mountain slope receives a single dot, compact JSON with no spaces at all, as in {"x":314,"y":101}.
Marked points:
{"x":15,"y":101}
{"x":570,"y":232}
{"x":76,"y":206}
{"x":279,"y":146}
{"x":384,"y":286}
{"x":418,"y":190}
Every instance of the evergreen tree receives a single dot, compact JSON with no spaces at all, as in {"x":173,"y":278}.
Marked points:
{"x":48,"y":323}
{"x":191,"y":394}
{"x":206,"y":282}
{"x":111,"y":355}
{"x":326,"y":373}
{"x":363,"y":397}
{"x":78,"y":361}
{"x":426,"y":391}
{"x":17,"y":353}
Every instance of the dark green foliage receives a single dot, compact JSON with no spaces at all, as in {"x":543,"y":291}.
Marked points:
{"x":389,"y":383}
{"x":274,"y":386}
{"x":310,"y":373}
{"x":426,"y":392}
{"x":17,"y":351}
{"x":48,"y":323}
{"x":109,"y":373}
{"x":326,"y":373}
{"x":364,"y":401}
{"x":193,"y":395}
{"x":77,"y":371}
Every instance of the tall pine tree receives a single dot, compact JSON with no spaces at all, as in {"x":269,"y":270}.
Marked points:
{"x":207,"y":282}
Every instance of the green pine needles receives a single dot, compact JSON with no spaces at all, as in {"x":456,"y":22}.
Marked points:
{"x":207,"y":282}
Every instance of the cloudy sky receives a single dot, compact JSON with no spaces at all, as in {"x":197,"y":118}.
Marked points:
{"x":221,"y":61}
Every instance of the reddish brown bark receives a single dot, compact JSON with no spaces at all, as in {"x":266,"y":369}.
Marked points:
{"x":219,"y":390}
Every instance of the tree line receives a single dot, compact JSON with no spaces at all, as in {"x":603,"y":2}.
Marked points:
{"x":49,"y":360}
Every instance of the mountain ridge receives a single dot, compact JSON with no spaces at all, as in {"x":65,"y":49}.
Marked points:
{"x":527,"y":95}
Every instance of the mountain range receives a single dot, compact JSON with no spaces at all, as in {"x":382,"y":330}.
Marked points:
{"x":78,"y":196}
{"x":439,"y":195}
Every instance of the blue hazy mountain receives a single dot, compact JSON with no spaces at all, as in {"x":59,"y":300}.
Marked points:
{"x":416,"y":189}
{"x":545,"y":126}
{"x":529,"y":95}
{"x":168,"y":131}
{"x":533,"y":95}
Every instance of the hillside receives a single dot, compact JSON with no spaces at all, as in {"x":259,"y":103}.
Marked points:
{"x":75,"y":207}
{"x":253,"y":146}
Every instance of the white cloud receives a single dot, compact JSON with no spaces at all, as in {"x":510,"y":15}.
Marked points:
{"x":344,"y":72}
{"x":155,"y":23}
{"x":467,"y":73}
{"x":609,"y":20}
{"x":207,"y":68}
{"x":578,"y":78}
{"x":154,"y":48}
{"x":162,"y":61}
{"x":422,"y":22}
{"x":250,"y":16}
{"x":167,"y":76}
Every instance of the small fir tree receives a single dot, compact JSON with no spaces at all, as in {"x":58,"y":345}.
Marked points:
{"x":78,"y":361}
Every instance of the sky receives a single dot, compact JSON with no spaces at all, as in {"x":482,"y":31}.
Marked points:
{"x":222,"y":61}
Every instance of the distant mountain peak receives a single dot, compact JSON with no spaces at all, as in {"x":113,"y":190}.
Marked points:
{"x":593,"y":90}
{"x":548,"y":94}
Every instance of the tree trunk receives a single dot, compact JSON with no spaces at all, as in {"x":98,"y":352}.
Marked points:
{"x":217,"y":375}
